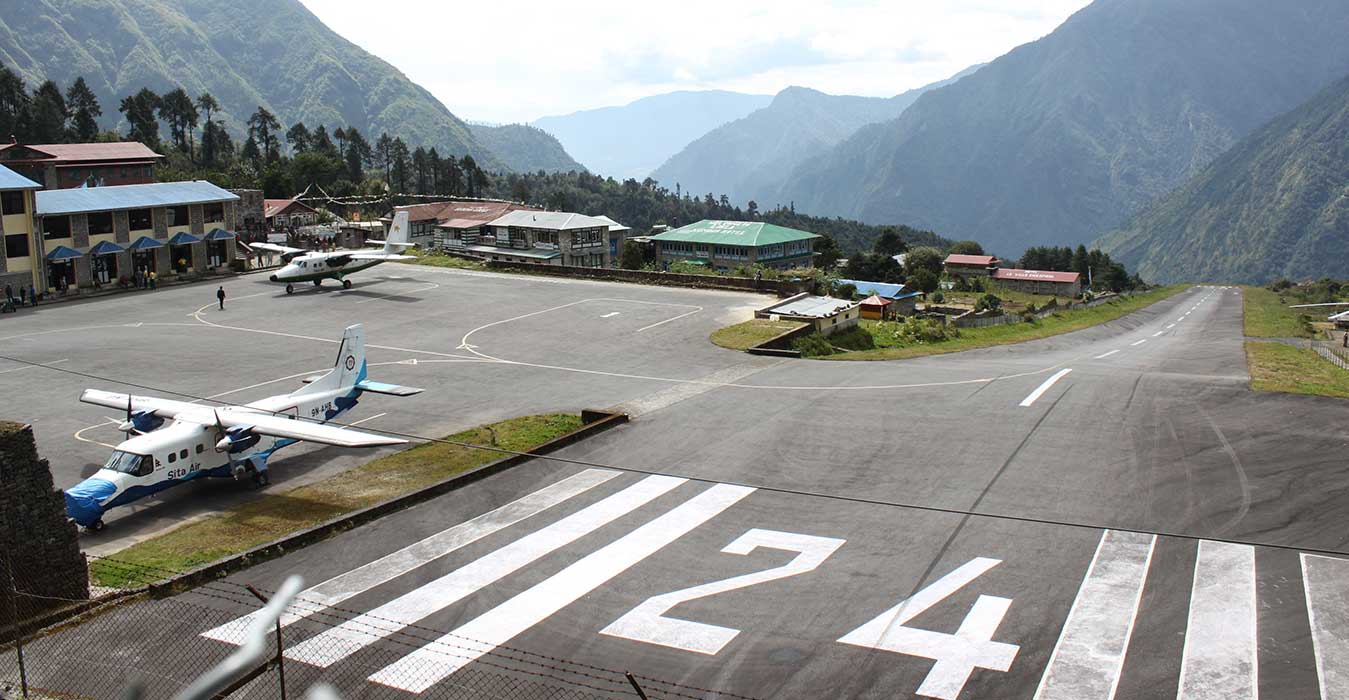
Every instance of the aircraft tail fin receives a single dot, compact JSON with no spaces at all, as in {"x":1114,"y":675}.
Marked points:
{"x":349,"y":369}
{"x":398,"y":234}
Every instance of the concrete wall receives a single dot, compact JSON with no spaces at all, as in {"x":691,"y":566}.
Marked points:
{"x":749,"y":284}
{"x":38,"y":545}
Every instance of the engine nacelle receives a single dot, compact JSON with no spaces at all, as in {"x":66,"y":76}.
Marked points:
{"x":141,"y":422}
{"x":237,"y":439}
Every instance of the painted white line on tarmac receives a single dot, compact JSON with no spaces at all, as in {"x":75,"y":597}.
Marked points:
{"x":361,"y":579}
{"x":1089,"y":655}
{"x":1102,"y":357}
{"x":40,"y":364}
{"x":661,"y":323}
{"x":1158,"y":333}
{"x":429,"y":665}
{"x":1137,"y":343}
{"x":428,"y":287}
{"x":1220,"y":644}
{"x":1326,"y":583}
{"x":611,"y":314}
{"x":339,"y":642}
{"x":1170,"y":326}
{"x":79,"y":434}
{"x":365,"y":420}
{"x":1039,"y":391}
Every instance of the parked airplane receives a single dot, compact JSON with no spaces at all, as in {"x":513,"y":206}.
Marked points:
{"x":309,"y":266}
{"x":1341,"y":319}
{"x":226,"y":441}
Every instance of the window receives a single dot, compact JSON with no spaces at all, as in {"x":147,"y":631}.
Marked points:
{"x":178,"y":216}
{"x":200,"y":448}
{"x":139,"y":220}
{"x":16,"y":245}
{"x":12,"y":202}
{"x":213,"y":212}
{"x":182,"y":454}
{"x":100,"y":222}
{"x":172,"y":458}
{"x":54,"y":227}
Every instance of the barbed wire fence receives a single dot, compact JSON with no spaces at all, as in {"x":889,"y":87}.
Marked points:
{"x":146,"y":638}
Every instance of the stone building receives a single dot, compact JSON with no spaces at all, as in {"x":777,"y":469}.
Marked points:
{"x":545,"y":237}
{"x":726,"y":245}
{"x":64,"y":165}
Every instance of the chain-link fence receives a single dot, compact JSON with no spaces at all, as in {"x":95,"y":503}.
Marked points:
{"x":143,"y":635}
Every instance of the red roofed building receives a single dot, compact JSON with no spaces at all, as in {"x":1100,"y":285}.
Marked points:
{"x":874,"y":306}
{"x":452,"y":223}
{"x":66,"y":165}
{"x":288,"y":213}
{"x":970,"y":265}
{"x":1061,"y":284}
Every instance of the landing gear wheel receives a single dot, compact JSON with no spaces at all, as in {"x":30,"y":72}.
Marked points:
{"x":346,"y":284}
{"x":96,"y":526}
{"x":261,"y":479}
{"x":290,"y":289}
{"x":318,"y":283}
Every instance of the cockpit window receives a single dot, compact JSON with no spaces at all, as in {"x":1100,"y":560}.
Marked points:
{"x":129,"y":463}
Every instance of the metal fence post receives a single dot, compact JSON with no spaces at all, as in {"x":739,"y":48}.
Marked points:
{"x":12,"y":592}
{"x":640,"y":693}
{"x":280,"y":649}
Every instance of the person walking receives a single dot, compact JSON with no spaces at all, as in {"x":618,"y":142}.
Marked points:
{"x":9,"y":292}
{"x":153,"y":277}
{"x":23,"y":295}
{"x":220,"y":297}
{"x":32,"y":294}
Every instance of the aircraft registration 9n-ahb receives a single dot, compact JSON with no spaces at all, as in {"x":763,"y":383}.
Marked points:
{"x":226,"y":441}
{"x":308,"y":266}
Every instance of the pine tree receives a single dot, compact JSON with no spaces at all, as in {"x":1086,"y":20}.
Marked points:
{"x":210,"y":131}
{"x":14,"y":105}
{"x":49,"y":114}
{"x":299,"y":138}
{"x":262,"y":130}
{"x":400,"y":164}
{"x":84,"y":111}
{"x":180,"y":112}
{"x":140,"y":110}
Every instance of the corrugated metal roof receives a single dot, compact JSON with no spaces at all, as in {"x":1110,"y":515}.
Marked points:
{"x":554,"y":220}
{"x":272,"y":207}
{"x":812,"y":307}
{"x":10,"y":180}
{"x":875,"y":300}
{"x":981,"y":260}
{"x":889,"y":291}
{"x":115,"y":150}
{"x":746,"y":233}
{"x":481,"y":211}
{"x":1006,"y":273}
{"x":613,"y":225}
{"x":115,"y":197}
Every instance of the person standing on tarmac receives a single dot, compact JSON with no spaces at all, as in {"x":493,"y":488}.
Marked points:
{"x":220,"y":297}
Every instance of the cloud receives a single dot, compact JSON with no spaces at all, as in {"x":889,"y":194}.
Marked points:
{"x":514,"y":60}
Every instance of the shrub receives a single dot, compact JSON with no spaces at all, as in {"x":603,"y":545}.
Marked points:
{"x":845,"y":291}
{"x":925,"y":281}
{"x":915,"y":329}
{"x":977,"y":284}
{"x":855,"y":338}
{"x":988,"y":302}
{"x":938,"y":298}
{"x":813,"y":345}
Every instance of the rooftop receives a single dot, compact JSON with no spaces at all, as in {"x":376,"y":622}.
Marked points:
{"x":481,"y":211}
{"x":614,"y":225}
{"x":980,"y":260}
{"x":554,"y":220}
{"x":889,"y":291}
{"x":272,"y":207}
{"x":811,"y":307}
{"x":746,"y":233}
{"x":64,"y":152}
{"x":1005,"y":273}
{"x":10,"y":180}
{"x":116,"y":197}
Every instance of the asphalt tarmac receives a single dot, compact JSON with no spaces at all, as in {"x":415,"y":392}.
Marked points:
{"x":1107,"y":513}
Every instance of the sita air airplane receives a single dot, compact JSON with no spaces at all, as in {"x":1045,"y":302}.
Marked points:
{"x":227,"y":441}
{"x":308,"y":266}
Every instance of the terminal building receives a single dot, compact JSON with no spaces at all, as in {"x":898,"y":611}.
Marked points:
{"x":451,"y":222}
{"x":89,"y":237}
{"x":57,"y":166}
{"x":966,"y":266}
{"x":726,"y":245}
{"x":1059,"y":284}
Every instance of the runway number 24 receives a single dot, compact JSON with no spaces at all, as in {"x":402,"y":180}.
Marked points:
{"x":957,"y":655}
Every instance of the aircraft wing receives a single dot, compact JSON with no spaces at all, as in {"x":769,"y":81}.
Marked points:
{"x":379,"y":255}
{"x":283,"y":427}
{"x":164,"y":408}
{"x":274,"y":248}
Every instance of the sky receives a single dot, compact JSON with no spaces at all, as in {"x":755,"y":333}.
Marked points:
{"x":507,"y":61}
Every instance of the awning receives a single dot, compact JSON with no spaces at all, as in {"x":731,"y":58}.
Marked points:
{"x":106,"y":248}
{"x":219,"y":234}
{"x":143,"y":244}
{"x":183,"y":238}
{"x":61,"y":254}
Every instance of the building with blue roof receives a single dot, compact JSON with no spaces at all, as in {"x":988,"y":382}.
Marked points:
{"x":94,"y":236}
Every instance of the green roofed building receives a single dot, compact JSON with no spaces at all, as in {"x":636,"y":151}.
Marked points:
{"x":726,"y":245}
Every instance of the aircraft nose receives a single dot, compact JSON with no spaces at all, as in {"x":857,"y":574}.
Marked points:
{"x":84,"y":500}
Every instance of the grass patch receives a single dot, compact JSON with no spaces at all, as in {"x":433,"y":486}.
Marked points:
{"x":893,"y":344}
{"x":436,"y":259}
{"x":743,"y":336}
{"x":1284,"y":368}
{"x":1267,"y":315}
{"x":279,"y":514}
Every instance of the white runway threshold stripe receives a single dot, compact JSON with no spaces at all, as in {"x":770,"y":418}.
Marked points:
{"x":1220,"y":639}
{"x":1112,"y":352}
{"x":436,"y":661}
{"x":1326,"y":582}
{"x":1089,"y":655}
{"x":339,"y":642}
{"x":361,"y":579}
{"x":1040,"y":391}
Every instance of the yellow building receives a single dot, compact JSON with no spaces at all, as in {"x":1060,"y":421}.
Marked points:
{"x":20,"y":265}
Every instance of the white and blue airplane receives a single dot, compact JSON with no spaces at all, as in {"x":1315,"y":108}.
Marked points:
{"x":225,"y":441}
{"x":309,"y":266}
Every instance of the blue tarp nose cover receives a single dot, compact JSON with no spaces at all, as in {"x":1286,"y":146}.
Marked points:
{"x":83,"y":500}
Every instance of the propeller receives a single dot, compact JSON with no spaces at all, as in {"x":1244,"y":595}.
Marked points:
{"x":223,"y":445}
{"x":128,"y":425}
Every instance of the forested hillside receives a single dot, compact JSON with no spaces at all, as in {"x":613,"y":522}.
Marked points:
{"x":525,"y":149}
{"x":247,"y":53}
{"x":1275,"y":205}
{"x":1063,"y":139}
